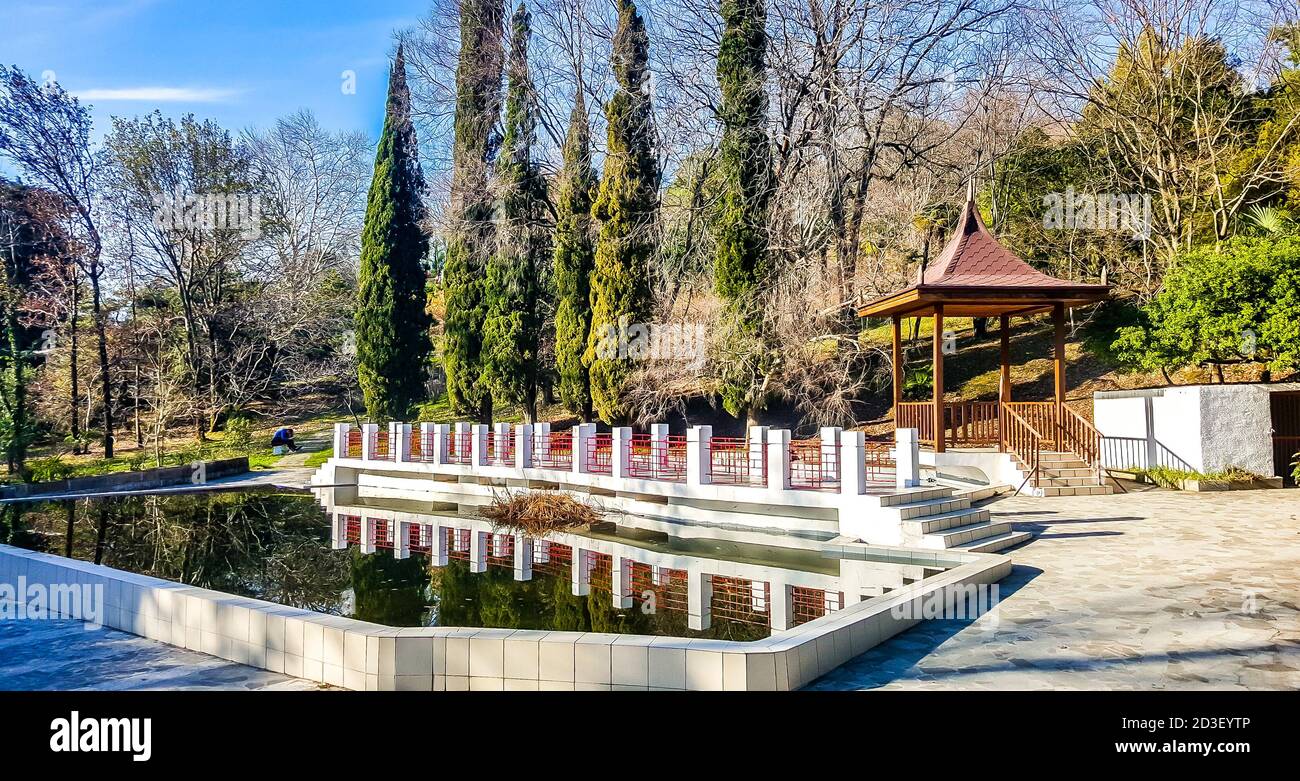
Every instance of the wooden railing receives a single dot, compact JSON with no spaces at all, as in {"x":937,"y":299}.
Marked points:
{"x":1079,"y":436}
{"x":965,"y":423}
{"x":917,"y":415}
{"x":1021,"y":438}
{"x":1041,"y":415}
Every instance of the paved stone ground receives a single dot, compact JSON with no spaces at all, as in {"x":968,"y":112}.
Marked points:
{"x":63,"y":655}
{"x":1146,"y":590}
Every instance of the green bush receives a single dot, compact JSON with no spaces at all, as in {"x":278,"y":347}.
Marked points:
{"x":239,"y":435}
{"x":44,"y":470}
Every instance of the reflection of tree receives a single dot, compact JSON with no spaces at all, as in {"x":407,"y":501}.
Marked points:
{"x":16,"y":528}
{"x":389,"y":591}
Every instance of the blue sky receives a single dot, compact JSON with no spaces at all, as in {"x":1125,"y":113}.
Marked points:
{"x":240,"y":62}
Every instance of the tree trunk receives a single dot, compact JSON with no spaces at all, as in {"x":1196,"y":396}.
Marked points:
{"x":101,"y":332}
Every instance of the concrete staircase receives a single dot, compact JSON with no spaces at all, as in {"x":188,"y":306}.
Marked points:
{"x":1062,"y":474}
{"x":942,"y":518}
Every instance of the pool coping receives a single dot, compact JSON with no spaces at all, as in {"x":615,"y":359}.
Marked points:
{"x":358,"y":655}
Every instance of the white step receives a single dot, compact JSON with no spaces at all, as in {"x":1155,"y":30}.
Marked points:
{"x":949,"y":520}
{"x":964,"y":535}
{"x":996,"y":542}
{"x":918,"y":510}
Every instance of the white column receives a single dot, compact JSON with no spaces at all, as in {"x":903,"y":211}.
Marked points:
{"x":699,"y":599}
{"x":339,"y":532}
{"x":907,"y":457}
{"x":524,"y":446}
{"x":781,"y":611}
{"x":832,"y":458}
{"x":698,"y":455}
{"x":368,"y":440}
{"x":341,"y":431}
{"x":478,"y":551}
{"x":438,"y":434}
{"x":621,"y":444}
{"x":401,"y":540}
{"x":778,"y":459}
{"x":478,"y":444}
{"x":622,"y":582}
{"x":500,"y":442}
{"x":367,"y":535}
{"x":427,"y":443}
{"x":460,"y":436}
{"x":523,"y":557}
{"x":757,"y":438}
{"x":581,"y":587}
{"x":582,"y":434}
{"x":853,"y":470}
{"x":399,"y":439}
{"x":438,"y":551}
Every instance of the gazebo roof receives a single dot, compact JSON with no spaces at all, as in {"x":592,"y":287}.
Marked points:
{"x":975,"y":276}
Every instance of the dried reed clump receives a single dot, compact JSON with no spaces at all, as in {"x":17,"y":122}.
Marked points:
{"x":537,"y":512}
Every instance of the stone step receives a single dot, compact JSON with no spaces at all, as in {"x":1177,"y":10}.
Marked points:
{"x":1079,"y":471}
{"x":930,"y":507}
{"x":949,"y":520}
{"x":997,"y":542}
{"x":964,"y":535}
{"x":913,"y":495}
{"x":1043,"y":482}
{"x":1077,"y":490}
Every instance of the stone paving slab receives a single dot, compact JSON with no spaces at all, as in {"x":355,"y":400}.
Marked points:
{"x":1146,"y":590}
{"x":62,"y":655}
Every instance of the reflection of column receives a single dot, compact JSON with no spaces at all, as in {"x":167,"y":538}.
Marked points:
{"x":853,"y":472}
{"x":622,"y":582}
{"x":524,"y":446}
{"x":477,"y":551}
{"x":523,"y":558}
{"x":478,"y":444}
{"x":621,"y":446}
{"x":399,"y":442}
{"x":541,"y":551}
{"x":339,"y":535}
{"x":401,"y":540}
{"x":581,"y":587}
{"x":782,"y":607}
{"x":439,"y":548}
{"x":367,"y":535}
{"x":778,"y":459}
{"x":341,"y":431}
{"x":699,"y":598}
{"x":368,"y":431}
{"x":698,"y":455}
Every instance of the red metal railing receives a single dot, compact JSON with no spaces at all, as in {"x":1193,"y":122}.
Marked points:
{"x":500,"y":550}
{"x":416,"y":444}
{"x":459,"y":449}
{"x":814,"y":465}
{"x":458,"y":544}
{"x":381,"y":534}
{"x":419,"y":538}
{"x":552,"y":558}
{"x":808,"y":604}
{"x":737,"y":461}
{"x":553,"y":450}
{"x":659,"y":588}
{"x":380,"y":446}
{"x":740,"y":600}
{"x":354,"y":443}
{"x":878,"y":458}
{"x":600,"y":571}
{"x":600,"y":454}
{"x":501,"y":450}
{"x":352,"y":529}
{"x":428,"y":443}
{"x":657,"y":459}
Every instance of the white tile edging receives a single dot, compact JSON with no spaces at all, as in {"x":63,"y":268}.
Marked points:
{"x":358,"y":655}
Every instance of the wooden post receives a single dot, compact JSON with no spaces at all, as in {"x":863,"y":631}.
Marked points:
{"x":1058,"y":322}
{"x":1004,"y":381}
{"x":898,"y":365}
{"x":938,"y":378}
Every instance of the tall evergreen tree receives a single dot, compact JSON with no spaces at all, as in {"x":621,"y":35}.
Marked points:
{"x":740,"y":266}
{"x":626,"y":208}
{"x":392,"y":327}
{"x":512,"y":327}
{"x":471,"y":236}
{"x":574,"y":260}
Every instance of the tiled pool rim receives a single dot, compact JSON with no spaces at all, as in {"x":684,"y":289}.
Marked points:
{"x":358,"y":655}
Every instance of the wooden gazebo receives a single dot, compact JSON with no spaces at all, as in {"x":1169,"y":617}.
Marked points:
{"x":975,"y":276}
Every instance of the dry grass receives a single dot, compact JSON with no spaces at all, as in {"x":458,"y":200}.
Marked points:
{"x":537,"y":512}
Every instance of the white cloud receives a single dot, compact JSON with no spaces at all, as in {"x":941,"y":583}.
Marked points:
{"x":159,"y":94}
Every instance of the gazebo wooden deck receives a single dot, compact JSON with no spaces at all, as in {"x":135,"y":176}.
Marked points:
{"x":975,"y":276}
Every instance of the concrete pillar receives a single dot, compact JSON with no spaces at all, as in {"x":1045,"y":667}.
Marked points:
{"x":699,"y":456}
{"x":907,"y":457}
{"x":341,"y":431}
{"x":401,"y":540}
{"x":582,"y":434}
{"x":438,"y":551}
{"x":368,"y":431}
{"x":524,"y":446}
{"x":367,"y":535}
{"x":436,"y":440}
{"x":478,"y":445}
{"x":523,"y":557}
{"x":853,"y":472}
{"x":757,"y":438}
{"x":781,"y":611}
{"x":699,"y":599}
{"x":399,"y":438}
{"x":778,"y":459}
{"x":622,"y":582}
{"x":832,"y":458}
{"x":541,"y":552}
{"x":581,"y":586}
{"x":621,"y":444}
{"x":478,"y":551}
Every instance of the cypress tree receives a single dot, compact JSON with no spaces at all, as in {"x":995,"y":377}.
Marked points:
{"x":625,"y":207}
{"x":740,"y":265}
{"x":391,"y":323}
{"x":512,"y":327}
{"x":471,"y":234}
{"x":574,"y":259}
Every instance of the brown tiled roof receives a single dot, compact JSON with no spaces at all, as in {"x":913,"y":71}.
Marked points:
{"x":973,"y":258}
